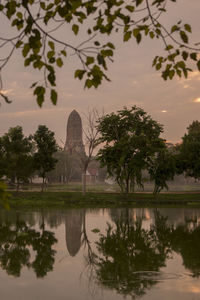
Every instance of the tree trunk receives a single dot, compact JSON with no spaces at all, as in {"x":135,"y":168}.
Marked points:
{"x":42,"y":185}
{"x":84,"y":182}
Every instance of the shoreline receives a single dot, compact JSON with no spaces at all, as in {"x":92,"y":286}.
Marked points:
{"x":58,"y":199}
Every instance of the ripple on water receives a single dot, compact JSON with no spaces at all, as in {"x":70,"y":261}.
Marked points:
{"x":159,"y":276}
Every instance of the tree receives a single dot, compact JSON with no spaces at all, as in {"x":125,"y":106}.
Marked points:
{"x":131,"y":139}
{"x":17,"y":152}
{"x":161,"y":169}
{"x":91,"y":136}
{"x":66,"y":168}
{"x":190,"y":151}
{"x":44,"y":161}
{"x":38,"y":23}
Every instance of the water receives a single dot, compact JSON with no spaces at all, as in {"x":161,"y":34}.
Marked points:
{"x":100,"y":254}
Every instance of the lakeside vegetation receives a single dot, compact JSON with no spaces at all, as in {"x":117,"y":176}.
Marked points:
{"x":63,"y":200}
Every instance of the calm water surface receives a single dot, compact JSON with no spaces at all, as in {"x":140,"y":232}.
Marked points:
{"x":100,"y":254}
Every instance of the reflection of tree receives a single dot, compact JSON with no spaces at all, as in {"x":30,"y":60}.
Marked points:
{"x":186,"y":241}
{"x":16,"y":241}
{"x":125,"y":252}
{"x":128,"y":254}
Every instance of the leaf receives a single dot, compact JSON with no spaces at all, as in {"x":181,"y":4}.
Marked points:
{"x":139,"y":38}
{"x":151,"y":34}
{"x":39,"y":92}
{"x":51,"y":45}
{"x":97,"y":43}
{"x":25,"y":50}
{"x":136,"y":31}
{"x":169,"y":47}
{"x":127,"y":36}
{"x":184,"y":36}
{"x":79,"y":74}
{"x":54,"y":96}
{"x":75,"y":28}
{"x":130,"y":8}
{"x":193,"y":56}
{"x":188,"y":27}
{"x":63,"y":52}
{"x":89,"y":60}
{"x":174,"y":28}
{"x":185,"y":55}
{"x":59,"y":62}
{"x":88,"y":83}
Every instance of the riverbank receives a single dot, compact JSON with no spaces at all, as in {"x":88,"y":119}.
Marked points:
{"x":103,"y":200}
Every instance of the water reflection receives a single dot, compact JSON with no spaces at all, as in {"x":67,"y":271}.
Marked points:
{"x":74,"y":220}
{"x":22,"y":245}
{"x":128,"y":256}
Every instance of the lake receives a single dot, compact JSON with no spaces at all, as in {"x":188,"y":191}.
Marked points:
{"x":136,"y":253}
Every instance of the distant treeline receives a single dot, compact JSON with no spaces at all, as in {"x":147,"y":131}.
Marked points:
{"x":131,"y":146}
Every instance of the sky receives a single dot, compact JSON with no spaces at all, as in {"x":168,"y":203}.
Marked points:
{"x":175,"y":104}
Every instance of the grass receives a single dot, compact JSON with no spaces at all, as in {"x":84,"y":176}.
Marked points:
{"x":59,"y":199}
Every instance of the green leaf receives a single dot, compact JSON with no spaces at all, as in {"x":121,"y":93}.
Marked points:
{"x":136,"y":31}
{"x":171,"y":74}
{"x":130,"y":8}
{"x":139,"y":38}
{"x":185,"y":55}
{"x":54,"y":96}
{"x":50,"y":54}
{"x":59,"y":62}
{"x":184,"y":36}
{"x":39,"y":92}
{"x":158,"y":66}
{"x":63,"y":52}
{"x":79,"y":74}
{"x":110,"y":45}
{"x":75,"y":28}
{"x":127,"y":36}
{"x":97,"y":43}
{"x":51,"y":45}
{"x":193,"y":56}
{"x":25,"y":50}
{"x":88,"y":83}
{"x":188,"y":27}
{"x":151,"y":34}
{"x":169,"y":47}
{"x":89,"y":60}
{"x":174,"y":28}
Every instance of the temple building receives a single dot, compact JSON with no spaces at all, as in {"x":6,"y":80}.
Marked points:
{"x":74,"y":139}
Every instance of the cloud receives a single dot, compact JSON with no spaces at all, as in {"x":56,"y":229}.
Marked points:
{"x":197,"y":100}
{"x":7,"y":92}
{"x":28,"y":113}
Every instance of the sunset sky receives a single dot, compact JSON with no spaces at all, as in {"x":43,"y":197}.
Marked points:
{"x":175,"y":104}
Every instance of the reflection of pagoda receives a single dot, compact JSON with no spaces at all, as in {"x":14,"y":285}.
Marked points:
{"x":74,"y":140}
{"x":73,"y":230}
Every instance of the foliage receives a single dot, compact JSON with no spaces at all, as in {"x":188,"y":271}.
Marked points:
{"x":16,"y":155}
{"x":37,"y":25}
{"x":131,"y":138}
{"x":162,"y":168}
{"x":15,"y":242}
{"x":190,"y":151}
{"x":44,"y":161}
{"x":4,"y":196}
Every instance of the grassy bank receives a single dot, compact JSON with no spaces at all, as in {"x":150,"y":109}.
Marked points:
{"x":76,"y":199}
